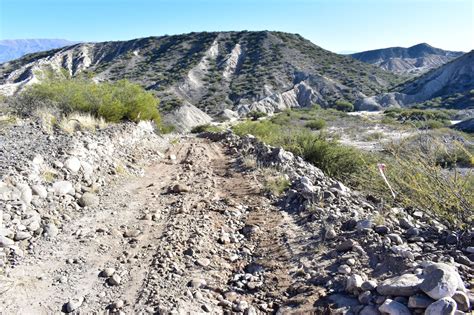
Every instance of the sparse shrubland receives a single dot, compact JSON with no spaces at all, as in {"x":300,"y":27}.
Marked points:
{"x":418,"y":118}
{"x":421,"y":181}
{"x":422,"y":170}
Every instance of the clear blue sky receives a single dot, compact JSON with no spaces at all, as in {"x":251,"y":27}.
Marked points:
{"x":336,"y":25}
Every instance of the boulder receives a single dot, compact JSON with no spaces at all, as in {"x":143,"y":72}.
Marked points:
{"x":462,"y":301}
{"x":180,"y":188}
{"x":73,"y":304}
{"x":354,"y":283}
{"x":392,"y":307}
{"x":369,"y":310}
{"x":440,"y":280}
{"x":5,"y":241}
{"x":50,"y":230}
{"x":404,"y":285}
{"x":444,"y":306}
{"x":88,"y":200}
{"x":419,"y":301}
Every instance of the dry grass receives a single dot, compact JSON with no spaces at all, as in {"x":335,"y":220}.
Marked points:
{"x":81,"y":121}
{"x":48,"y":119}
{"x":426,"y":177}
{"x":49,"y":175}
{"x":274,"y":183}
{"x":249,"y":162}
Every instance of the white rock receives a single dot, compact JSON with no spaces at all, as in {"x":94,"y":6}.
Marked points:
{"x":51,"y":230}
{"x":25,"y":193}
{"x":20,"y":236}
{"x":39,"y":190}
{"x":87,"y":169}
{"x":63,"y":188}
{"x":74,"y":304}
{"x":5,"y":241}
{"x":462,"y":301}
{"x":444,"y":306}
{"x":353,"y":282}
{"x":440,"y":280}
{"x":73,"y":164}
{"x":404,"y":285}
{"x":38,"y":159}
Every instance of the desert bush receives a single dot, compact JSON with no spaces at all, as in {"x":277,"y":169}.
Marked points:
{"x":421,"y":181}
{"x":274,"y":183}
{"x":316,"y":124}
{"x":414,"y":114}
{"x":344,"y":106}
{"x":113,"y":102}
{"x":206,"y":128}
{"x":334,"y":159}
{"x":374,"y":136}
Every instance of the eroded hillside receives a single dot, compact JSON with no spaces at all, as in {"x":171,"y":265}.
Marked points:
{"x":242,"y":71}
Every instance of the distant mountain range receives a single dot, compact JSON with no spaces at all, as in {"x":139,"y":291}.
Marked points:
{"x":412,"y":60}
{"x":15,"y":48}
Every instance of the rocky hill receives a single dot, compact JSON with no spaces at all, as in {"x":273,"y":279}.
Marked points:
{"x":15,"y":48}
{"x":241,"y":71}
{"x":451,"y":85}
{"x":413,"y":60}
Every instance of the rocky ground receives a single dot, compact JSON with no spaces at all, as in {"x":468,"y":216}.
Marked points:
{"x":126,"y":221}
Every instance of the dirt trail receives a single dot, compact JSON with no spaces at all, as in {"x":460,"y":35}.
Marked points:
{"x":174,"y":252}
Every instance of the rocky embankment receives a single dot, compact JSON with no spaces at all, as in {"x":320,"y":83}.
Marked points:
{"x":46,"y":176}
{"x":125,"y":221}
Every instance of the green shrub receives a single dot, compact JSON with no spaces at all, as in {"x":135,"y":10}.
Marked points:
{"x":421,"y":182}
{"x":206,"y":128}
{"x":344,"y":106}
{"x":114,"y":102}
{"x":316,"y":124}
{"x":435,"y":124}
{"x":331,"y":157}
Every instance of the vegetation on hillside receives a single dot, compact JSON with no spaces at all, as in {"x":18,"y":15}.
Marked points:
{"x":114,"y":102}
{"x":269,"y":62}
{"x":422,"y":169}
{"x":426,"y":119}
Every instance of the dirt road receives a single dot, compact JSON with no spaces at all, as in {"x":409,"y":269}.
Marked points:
{"x":194,"y":235}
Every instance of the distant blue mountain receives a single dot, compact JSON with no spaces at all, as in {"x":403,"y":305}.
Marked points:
{"x":15,"y":48}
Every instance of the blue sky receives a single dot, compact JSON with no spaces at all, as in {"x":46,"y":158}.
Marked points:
{"x":337,"y":25}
